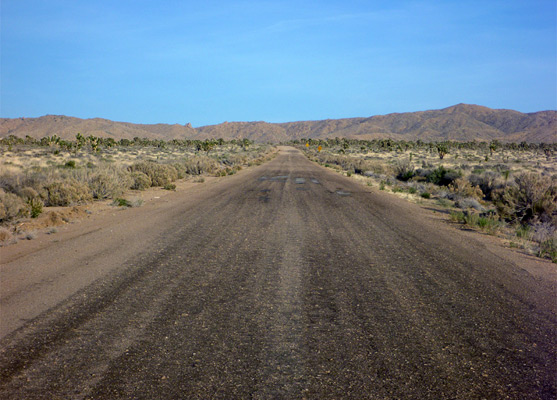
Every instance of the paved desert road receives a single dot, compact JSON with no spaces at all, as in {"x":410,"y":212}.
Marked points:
{"x":286,"y":281}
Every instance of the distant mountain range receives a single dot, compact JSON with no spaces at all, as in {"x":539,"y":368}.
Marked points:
{"x":461,"y":122}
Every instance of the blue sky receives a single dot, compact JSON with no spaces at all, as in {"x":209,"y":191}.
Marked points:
{"x":207,"y":62}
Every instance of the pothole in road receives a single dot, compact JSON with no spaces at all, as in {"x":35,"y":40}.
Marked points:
{"x":279,"y":178}
{"x":300,"y":181}
{"x":313,"y":180}
{"x":343,"y":193}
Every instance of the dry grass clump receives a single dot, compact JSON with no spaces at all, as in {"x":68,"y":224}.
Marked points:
{"x":463,"y":188}
{"x":141,"y":181}
{"x":6,"y":236}
{"x":65,"y":192}
{"x":352,"y":164}
{"x":201,"y":164}
{"x":108,"y":182}
{"x":12,"y":206}
{"x":160,"y":174}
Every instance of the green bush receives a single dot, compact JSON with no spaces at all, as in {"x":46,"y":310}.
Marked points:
{"x":442,"y":176}
{"x":36,"y":207}
{"x":404,"y":170}
{"x":457,"y":216}
{"x":121,"y":202}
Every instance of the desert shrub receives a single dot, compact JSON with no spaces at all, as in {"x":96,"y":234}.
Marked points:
{"x":12,"y":206}
{"x":426,"y":195}
{"x":486,"y":181}
{"x":422,"y":187}
{"x":488,"y":223}
{"x":141,"y":181}
{"x":463,"y":188}
{"x":109,"y":182}
{"x":469,"y":202}
{"x":201,"y":164}
{"x":28,"y":193}
{"x":531,"y":198}
{"x":524,"y":231}
{"x":35,"y":206}
{"x":457,"y":216}
{"x":354,"y":165}
{"x":181,"y":170}
{"x":5,"y":235}
{"x":542,"y":232}
{"x":70,"y":164}
{"x":160,"y":174}
{"x":11,"y":181}
{"x":442,"y":176}
{"x":548,"y":248}
{"x":65,"y":192}
{"x":169,"y":186}
{"x":404,"y":170}
{"x":121,"y":202}
{"x":231,"y":160}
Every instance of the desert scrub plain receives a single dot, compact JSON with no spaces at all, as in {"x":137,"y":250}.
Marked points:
{"x":38,"y":174}
{"x":503,"y":189}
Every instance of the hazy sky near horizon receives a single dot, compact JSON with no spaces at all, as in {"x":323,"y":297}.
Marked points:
{"x":207,"y":62}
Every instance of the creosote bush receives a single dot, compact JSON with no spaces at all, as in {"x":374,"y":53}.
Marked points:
{"x":442,"y":176}
{"x":404,"y":170}
{"x":531,"y":198}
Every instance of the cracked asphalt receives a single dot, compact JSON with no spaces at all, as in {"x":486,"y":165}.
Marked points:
{"x":286,"y":281}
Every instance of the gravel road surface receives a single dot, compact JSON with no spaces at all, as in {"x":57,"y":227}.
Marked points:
{"x":286,"y":281}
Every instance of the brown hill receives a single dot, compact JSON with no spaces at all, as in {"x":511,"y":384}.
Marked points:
{"x":461,"y":122}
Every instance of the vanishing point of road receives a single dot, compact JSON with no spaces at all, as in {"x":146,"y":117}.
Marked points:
{"x":286,"y":281}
